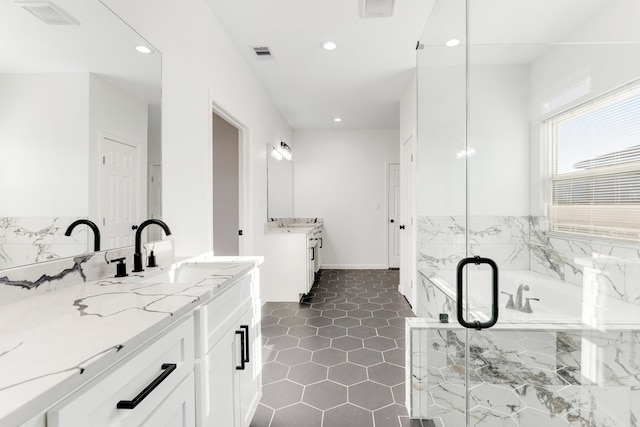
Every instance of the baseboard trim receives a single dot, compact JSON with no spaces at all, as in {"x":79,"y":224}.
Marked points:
{"x":354,"y":266}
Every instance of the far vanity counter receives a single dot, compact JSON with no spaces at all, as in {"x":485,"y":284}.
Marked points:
{"x":293,"y":256}
{"x":54,"y":343}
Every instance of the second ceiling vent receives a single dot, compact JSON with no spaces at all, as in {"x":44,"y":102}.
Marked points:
{"x":262,"y":51}
{"x":377,"y":8}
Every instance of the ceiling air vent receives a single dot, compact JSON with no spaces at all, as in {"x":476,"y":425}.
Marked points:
{"x":48,"y":12}
{"x":262,"y":51}
{"x":377,"y":8}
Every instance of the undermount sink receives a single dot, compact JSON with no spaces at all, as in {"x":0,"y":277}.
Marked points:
{"x":184,"y":273}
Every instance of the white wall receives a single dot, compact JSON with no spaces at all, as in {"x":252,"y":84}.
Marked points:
{"x":341,"y":176}
{"x":44,"y":125}
{"x":499,"y":133}
{"x":200,"y":65}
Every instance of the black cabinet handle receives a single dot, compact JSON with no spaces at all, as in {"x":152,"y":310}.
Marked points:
{"x":242,"y":350}
{"x":402,"y":227}
{"x":131,"y":404}
{"x":246,"y":345}
{"x":313,"y":253}
{"x":494,"y":297}
{"x":321,"y":242}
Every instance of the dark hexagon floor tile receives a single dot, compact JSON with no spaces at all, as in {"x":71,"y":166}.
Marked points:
{"x":307,"y":373}
{"x":325,"y":395}
{"x":400,"y":342}
{"x":314,"y":343}
{"x":319,"y":321}
{"x":282,"y":342}
{"x":333,"y":313}
{"x":332,"y":331}
{"x":329,"y":356}
{"x":398,"y":322}
{"x":268,"y":354}
{"x":346,"y":322}
{"x":322,"y":305}
{"x":346,"y":306}
{"x":280,"y":394}
{"x":375,"y":322}
{"x":269,"y":320}
{"x":348,"y":415}
{"x":386,"y":314}
{"x":283,"y":312}
{"x":370,"y":395}
{"x":406,"y":313}
{"x":308,"y":312}
{"x":291,"y":321}
{"x":380,"y":300}
{"x":299,"y":414}
{"x":395,"y":356}
{"x":303,"y":331}
{"x":395,"y":306}
{"x":389,"y":332}
{"x":347,"y":373}
{"x":365,"y":357}
{"x":389,"y":416}
{"x":274,"y":331}
{"x":360,"y":314}
{"x":361,"y":332}
{"x":274,"y":371}
{"x":386,"y":373}
{"x":274,"y":305}
{"x":293,"y":356}
{"x":380,"y":343}
{"x":399,"y":393}
{"x":346,"y":343}
{"x":370,"y":306}
{"x":262,"y":417}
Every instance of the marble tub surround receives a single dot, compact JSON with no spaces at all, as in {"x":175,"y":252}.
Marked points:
{"x":273,"y":223}
{"x":28,"y":240}
{"x":29,"y":280}
{"x":553,"y":375}
{"x":67,"y":337}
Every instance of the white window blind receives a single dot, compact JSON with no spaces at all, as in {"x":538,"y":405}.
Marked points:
{"x":595,"y":182}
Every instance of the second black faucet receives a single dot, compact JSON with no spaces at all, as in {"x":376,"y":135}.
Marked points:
{"x":137,"y":256}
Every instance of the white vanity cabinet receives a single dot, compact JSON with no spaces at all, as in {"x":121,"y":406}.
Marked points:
{"x":151,"y":387}
{"x":228,"y":356}
{"x":291,"y":261}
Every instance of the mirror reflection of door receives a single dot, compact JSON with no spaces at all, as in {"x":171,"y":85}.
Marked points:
{"x":226,"y":191}
{"x":120,"y":192}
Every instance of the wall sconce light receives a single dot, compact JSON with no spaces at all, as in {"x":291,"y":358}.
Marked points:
{"x":283,"y":151}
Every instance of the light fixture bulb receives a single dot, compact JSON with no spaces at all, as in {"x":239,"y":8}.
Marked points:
{"x":143,"y":49}
{"x":453,"y":43}
{"x":337,"y":120}
{"x":329,"y":46}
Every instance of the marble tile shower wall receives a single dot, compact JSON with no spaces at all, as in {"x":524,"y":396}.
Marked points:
{"x":521,"y":243}
{"x":26,"y":240}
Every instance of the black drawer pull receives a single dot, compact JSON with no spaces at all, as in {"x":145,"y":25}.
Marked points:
{"x":167,"y":368}
{"x":246,"y":342}
{"x":242,"y":350}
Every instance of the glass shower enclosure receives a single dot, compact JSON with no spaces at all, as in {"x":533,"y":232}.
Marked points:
{"x":528,"y":156}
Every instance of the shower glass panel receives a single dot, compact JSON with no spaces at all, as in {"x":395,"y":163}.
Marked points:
{"x":528,"y":154}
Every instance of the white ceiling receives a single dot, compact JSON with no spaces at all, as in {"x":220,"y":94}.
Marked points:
{"x":361,"y":81}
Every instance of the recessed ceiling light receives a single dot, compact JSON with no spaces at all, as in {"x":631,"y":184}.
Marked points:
{"x":143,"y":49}
{"x":329,"y":46}
{"x":453,"y":43}
{"x":337,"y":120}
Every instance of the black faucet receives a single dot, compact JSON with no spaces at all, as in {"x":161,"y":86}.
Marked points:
{"x":137,"y":256}
{"x":92,"y":225}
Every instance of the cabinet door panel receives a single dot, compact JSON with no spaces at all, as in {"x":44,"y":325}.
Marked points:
{"x":248,"y":380}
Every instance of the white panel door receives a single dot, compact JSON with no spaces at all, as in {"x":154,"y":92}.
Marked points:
{"x":120,"y":193}
{"x":393,"y":206}
{"x":154,"y":187}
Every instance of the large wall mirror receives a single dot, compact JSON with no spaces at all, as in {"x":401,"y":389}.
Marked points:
{"x":79,"y":129}
{"x":279,"y":183}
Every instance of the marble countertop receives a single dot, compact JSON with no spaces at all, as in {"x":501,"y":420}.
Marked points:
{"x":50,"y":344}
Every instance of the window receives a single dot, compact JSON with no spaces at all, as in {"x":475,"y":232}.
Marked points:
{"x":595,"y":182}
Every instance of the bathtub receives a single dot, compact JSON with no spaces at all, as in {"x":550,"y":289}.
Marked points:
{"x":560,"y":302}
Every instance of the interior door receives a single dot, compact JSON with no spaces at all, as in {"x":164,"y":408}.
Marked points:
{"x":393,"y":215}
{"x":120,"y":192}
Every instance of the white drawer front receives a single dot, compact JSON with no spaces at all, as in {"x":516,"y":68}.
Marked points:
{"x":96,"y":404}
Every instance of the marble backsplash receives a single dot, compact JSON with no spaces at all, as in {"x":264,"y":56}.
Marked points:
{"x":28,"y":240}
{"x":523,"y":243}
{"x":284,"y":222}
{"x":25,"y":281}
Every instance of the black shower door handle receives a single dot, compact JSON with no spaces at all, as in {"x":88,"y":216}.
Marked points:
{"x":494,"y":290}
